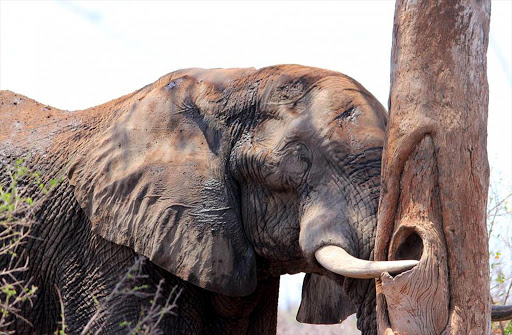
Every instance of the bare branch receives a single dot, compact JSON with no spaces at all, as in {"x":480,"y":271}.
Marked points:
{"x":62,"y":313}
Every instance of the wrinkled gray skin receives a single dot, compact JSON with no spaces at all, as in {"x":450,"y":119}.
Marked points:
{"x":224,"y":179}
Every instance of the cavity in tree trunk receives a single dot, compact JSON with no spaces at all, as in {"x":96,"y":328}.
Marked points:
{"x":435,"y":171}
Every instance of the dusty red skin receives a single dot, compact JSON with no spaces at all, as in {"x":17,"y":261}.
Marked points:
{"x":159,"y":172}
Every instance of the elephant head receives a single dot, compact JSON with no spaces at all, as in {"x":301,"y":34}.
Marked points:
{"x":215,"y":175}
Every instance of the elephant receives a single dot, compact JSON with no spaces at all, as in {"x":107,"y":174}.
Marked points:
{"x":224,"y":179}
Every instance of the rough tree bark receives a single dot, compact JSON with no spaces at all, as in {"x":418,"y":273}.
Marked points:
{"x":435,"y":173}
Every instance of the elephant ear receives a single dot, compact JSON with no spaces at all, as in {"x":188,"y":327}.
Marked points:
{"x":156,"y":180}
{"x":323,"y":301}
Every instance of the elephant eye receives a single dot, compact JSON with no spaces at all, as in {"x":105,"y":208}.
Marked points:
{"x":298,"y":158}
{"x":301,"y":152}
{"x":296,"y":164}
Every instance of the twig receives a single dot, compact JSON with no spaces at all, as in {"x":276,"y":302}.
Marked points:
{"x":62,"y":312}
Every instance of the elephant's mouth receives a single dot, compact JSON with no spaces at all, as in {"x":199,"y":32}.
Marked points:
{"x":337,"y":260}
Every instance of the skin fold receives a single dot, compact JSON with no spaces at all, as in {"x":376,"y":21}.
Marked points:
{"x":224,"y":179}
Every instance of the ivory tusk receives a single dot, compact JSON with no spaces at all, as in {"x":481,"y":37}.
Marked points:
{"x":337,"y":260}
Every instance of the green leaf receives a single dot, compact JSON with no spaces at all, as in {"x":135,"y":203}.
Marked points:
{"x":508,"y":329}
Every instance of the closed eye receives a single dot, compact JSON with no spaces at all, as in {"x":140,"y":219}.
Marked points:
{"x":348,"y":115}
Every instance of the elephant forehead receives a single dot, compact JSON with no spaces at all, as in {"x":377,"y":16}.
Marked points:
{"x":218,"y":78}
{"x":347,"y":114}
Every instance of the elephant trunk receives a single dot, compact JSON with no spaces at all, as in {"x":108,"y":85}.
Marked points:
{"x":331,"y":236}
{"x":336,"y":236}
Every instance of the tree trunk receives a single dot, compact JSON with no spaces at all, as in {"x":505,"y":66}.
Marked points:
{"x":435,"y":173}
